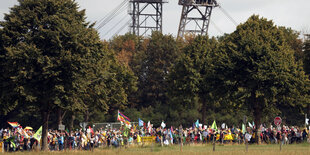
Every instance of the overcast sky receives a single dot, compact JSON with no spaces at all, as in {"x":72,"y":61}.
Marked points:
{"x":289,"y":13}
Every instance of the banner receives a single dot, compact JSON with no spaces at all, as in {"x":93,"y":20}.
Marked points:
{"x":38,"y":134}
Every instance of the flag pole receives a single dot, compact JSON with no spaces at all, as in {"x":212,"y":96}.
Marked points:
{"x":181,"y":137}
{"x":214,"y":141}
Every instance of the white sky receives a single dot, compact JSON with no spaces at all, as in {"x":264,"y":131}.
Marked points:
{"x":289,"y":13}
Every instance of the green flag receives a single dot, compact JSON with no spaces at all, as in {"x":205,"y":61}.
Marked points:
{"x":38,"y":134}
{"x":243,"y":128}
{"x":214,"y":126}
{"x":126,"y":131}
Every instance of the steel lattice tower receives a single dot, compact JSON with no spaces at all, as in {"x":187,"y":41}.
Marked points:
{"x":197,"y":12}
{"x":146,"y":16}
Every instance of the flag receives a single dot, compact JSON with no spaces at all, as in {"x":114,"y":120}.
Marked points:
{"x":122,"y":118}
{"x":38,"y":134}
{"x":205,"y":127}
{"x":214,"y":127}
{"x":14,"y":124}
{"x":140,"y":122}
{"x":22,"y":132}
{"x":148,"y":124}
{"x":163,"y":125}
{"x":197,"y":123}
{"x":250,"y":125}
{"x":171,"y":129}
{"x":307,"y":121}
{"x":243,"y":128}
{"x":91,"y":130}
{"x":25,"y":133}
{"x":150,"y":128}
{"x":126,"y":131}
{"x":171,"y":137}
{"x":134,"y":128}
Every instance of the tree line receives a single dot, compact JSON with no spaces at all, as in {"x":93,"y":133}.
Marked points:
{"x":55,"y":68}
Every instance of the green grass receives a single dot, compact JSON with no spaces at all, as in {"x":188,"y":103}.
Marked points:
{"x":298,"y":149}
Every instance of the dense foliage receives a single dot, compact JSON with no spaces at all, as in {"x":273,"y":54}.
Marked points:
{"x":52,"y":59}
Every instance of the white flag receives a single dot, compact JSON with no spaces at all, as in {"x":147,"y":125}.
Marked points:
{"x":149,"y":126}
{"x":307,"y":121}
{"x":163,"y":125}
{"x":223,"y":126}
{"x":250,"y":125}
{"x":205,"y":127}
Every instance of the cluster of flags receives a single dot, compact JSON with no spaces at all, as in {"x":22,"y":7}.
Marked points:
{"x":121,"y":117}
{"x":18,"y":128}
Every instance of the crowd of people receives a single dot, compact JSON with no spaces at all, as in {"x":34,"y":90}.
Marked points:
{"x":14,"y":140}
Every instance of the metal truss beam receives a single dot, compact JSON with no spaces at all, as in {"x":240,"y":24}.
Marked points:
{"x":196,"y":13}
{"x":146,"y":16}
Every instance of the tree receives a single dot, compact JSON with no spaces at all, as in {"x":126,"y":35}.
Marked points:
{"x":125,"y":46}
{"x":263,"y":68}
{"x":51,"y":58}
{"x":306,"y":50}
{"x":196,"y":76}
{"x":153,"y":68}
{"x":293,"y":40}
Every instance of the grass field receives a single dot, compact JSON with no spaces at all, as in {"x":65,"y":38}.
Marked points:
{"x":300,"y":149}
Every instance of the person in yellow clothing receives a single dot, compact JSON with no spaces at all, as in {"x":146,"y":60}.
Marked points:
{"x":228,"y":137}
{"x":54,"y":142}
{"x":218,"y":136}
{"x":138,"y":139}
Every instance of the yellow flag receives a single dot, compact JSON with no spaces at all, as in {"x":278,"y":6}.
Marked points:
{"x":135,"y":128}
{"x":214,"y":127}
{"x":38,"y":134}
